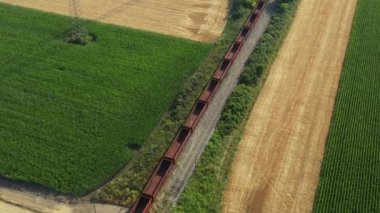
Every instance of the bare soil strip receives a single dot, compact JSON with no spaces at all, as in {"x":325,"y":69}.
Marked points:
{"x":22,"y":201}
{"x":6,"y":207}
{"x":278,"y":162}
{"x":201,"y":20}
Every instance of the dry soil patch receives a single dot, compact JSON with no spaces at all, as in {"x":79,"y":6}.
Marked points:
{"x":16,"y":201}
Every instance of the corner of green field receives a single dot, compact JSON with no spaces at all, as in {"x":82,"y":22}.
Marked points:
{"x":72,"y":116}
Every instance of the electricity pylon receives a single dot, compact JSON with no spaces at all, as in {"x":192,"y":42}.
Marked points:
{"x":78,"y":28}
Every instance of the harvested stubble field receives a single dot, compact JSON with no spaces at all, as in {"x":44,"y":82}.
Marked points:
{"x":72,"y":116}
{"x":278,"y":162}
{"x":350,"y":175}
{"x":201,"y":20}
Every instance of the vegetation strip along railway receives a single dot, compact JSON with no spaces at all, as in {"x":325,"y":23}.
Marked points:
{"x":70,"y":125}
{"x":277,"y":165}
{"x":350,"y":174}
{"x":164,"y":168}
{"x":185,"y":165}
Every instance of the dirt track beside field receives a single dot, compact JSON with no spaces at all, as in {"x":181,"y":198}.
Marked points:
{"x":201,"y":20}
{"x":5,"y":207}
{"x":278,"y":162}
{"x":16,"y":201}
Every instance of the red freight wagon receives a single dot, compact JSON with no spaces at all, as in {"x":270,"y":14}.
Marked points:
{"x":243,"y":33}
{"x":209,"y":92}
{"x":195,"y":115}
{"x":143,"y":204}
{"x":178,"y":143}
{"x":158,"y":177}
{"x":224,"y":66}
{"x":254,"y":17}
{"x":233,"y":51}
{"x":261,"y":5}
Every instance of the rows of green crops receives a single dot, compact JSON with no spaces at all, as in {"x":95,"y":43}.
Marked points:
{"x":350,"y":175}
{"x":72,"y":116}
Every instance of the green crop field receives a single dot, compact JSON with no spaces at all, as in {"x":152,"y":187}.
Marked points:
{"x":350,"y":176}
{"x":72,"y":116}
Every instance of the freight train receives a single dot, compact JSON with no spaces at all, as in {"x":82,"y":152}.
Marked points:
{"x":167,"y":162}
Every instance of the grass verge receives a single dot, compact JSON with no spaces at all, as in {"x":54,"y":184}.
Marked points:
{"x":205,"y":190}
{"x":72,"y":116}
{"x":350,"y":174}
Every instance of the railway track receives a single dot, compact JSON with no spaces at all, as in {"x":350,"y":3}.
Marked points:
{"x":176,"y":166}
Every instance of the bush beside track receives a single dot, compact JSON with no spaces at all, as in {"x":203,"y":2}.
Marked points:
{"x":350,"y":174}
{"x":126,"y":187}
{"x":205,"y":190}
{"x":72,"y":116}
